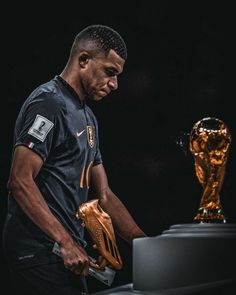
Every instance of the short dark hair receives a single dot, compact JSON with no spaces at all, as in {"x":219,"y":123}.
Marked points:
{"x":105,"y":38}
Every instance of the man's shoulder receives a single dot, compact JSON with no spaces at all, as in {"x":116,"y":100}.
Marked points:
{"x":48,"y":93}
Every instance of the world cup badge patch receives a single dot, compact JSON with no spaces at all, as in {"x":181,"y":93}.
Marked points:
{"x":40,"y":127}
{"x":90,"y":135}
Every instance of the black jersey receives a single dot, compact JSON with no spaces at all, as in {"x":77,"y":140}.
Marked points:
{"x":63,"y":131}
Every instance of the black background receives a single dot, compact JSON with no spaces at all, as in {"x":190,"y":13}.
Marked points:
{"x":180,"y":69}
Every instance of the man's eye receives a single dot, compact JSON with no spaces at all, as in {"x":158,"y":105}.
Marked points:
{"x":110,"y":73}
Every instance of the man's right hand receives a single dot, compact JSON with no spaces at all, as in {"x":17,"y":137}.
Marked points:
{"x":76,"y":259}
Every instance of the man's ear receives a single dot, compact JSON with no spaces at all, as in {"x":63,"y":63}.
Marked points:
{"x":83,"y":59}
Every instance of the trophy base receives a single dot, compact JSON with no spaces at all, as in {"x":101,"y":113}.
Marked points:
{"x":210,"y":216}
{"x":195,"y":256}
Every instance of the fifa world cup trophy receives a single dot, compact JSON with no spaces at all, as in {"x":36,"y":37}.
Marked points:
{"x":210,"y":139}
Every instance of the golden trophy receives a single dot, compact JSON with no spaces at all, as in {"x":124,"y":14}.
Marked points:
{"x":99,"y":225}
{"x":200,"y":255}
{"x":210,"y":139}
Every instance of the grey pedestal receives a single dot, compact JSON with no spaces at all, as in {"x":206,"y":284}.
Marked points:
{"x":186,"y":256}
{"x":197,"y":259}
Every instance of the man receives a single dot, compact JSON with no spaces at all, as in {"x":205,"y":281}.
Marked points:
{"x":55,"y":159}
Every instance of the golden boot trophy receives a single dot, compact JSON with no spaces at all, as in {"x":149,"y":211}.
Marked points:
{"x":210,"y":139}
{"x":99,"y":225}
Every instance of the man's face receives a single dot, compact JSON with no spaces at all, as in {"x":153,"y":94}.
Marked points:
{"x":100,"y":75}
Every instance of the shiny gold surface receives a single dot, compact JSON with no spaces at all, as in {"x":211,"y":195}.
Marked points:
{"x":99,"y":225}
{"x":210,"y":139}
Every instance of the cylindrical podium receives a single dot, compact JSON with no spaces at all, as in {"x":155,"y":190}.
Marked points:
{"x":188,"y":256}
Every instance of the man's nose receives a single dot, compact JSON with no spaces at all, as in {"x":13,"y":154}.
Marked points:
{"x":113,"y":83}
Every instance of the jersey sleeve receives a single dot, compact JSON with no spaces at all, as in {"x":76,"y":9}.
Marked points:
{"x":98,"y":158}
{"x":40,"y":125}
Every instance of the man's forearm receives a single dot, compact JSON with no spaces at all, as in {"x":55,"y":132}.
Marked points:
{"x":123,"y":223}
{"x":30,"y":199}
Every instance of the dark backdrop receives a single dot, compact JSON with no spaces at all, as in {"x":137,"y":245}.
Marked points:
{"x":180,"y":69}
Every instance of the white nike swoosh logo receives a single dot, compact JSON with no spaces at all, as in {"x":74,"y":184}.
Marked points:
{"x":80,"y":133}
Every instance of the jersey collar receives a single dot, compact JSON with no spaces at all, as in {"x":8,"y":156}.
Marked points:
{"x":71,"y":89}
